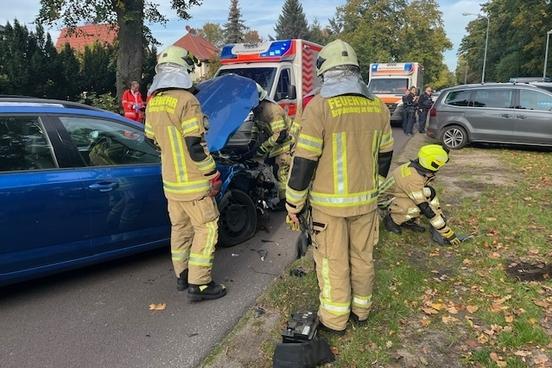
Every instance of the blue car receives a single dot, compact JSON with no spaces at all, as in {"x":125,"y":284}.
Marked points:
{"x":79,"y":185}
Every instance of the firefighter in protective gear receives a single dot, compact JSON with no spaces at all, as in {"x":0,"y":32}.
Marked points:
{"x":412,"y":196}
{"x":272,"y":127}
{"x":174,"y":120}
{"x":344,"y":145}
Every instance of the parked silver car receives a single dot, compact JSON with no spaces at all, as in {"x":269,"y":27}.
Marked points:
{"x":495,"y":113}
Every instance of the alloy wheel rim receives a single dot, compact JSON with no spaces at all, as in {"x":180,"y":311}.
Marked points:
{"x":453,"y":137}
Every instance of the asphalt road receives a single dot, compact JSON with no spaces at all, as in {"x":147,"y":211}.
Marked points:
{"x":99,"y":316}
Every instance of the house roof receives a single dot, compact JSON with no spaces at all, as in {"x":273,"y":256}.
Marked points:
{"x":87,"y":35}
{"x":198,"y":46}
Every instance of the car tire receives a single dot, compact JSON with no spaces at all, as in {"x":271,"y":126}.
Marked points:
{"x":238,"y":219}
{"x":454,"y":137}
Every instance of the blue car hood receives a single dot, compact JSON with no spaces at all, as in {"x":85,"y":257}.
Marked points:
{"x":226,"y":100}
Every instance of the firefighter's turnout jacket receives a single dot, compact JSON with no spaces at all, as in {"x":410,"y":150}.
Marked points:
{"x":412,"y":196}
{"x":271,"y":122}
{"x":341,"y":137}
{"x":335,"y":168}
{"x":175,"y":121}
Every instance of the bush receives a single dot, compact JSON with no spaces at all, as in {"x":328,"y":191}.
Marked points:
{"x":104,"y":101}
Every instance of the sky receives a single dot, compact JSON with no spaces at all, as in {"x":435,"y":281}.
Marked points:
{"x":260,"y":15}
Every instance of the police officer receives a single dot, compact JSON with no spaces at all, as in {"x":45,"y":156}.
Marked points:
{"x":424,"y":105}
{"x":344,"y":145}
{"x":272,"y":126}
{"x":412,"y":196}
{"x":190,"y":178}
{"x":410,"y":106}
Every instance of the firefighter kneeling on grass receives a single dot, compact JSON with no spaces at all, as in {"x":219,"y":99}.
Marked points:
{"x":411,"y":196}
{"x":344,"y":144}
{"x":190,"y":178}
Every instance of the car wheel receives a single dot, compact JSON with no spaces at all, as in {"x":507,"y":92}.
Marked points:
{"x":454,"y":137}
{"x":238,"y":219}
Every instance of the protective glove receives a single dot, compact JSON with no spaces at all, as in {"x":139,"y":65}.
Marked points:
{"x":293,"y":222}
{"x":453,"y":240}
{"x":214,"y":185}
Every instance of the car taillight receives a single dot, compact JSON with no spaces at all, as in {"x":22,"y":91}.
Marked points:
{"x":433,"y":112}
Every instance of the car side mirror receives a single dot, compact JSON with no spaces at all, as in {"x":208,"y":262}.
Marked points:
{"x":292,"y":92}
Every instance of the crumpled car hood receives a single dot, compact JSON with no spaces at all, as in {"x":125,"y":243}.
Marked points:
{"x":226,"y":100}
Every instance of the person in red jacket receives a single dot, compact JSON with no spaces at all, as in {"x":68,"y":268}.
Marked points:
{"x":133,"y":105}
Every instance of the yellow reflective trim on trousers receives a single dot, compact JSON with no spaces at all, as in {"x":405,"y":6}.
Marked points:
{"x":200,"y":260}
{"x":180,"y":255}
{"x":178,"y":154}
{"x":295,"y":196}
{"x":339,"y":148}
{"x":362,"y":301}
{"x":316,"y":151}
{"x":327,"y":288}
{"x":337,"y":309}
{"x":437,"y":222}
{"x":211,"y":238}
{"x":418,"y":196}
{"x":349,"y":200}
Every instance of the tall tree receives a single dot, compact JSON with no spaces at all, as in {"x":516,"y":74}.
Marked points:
{"x":128,"y":16}
{"x":292,"y":22}
{"x":252,"y":36}
{"x":213,"y":33}
{"x":234,"y":29}
{"x":517,"y":37}
{"x":98,"y":69}
{"x":68,"y":82}
{"x":320,"y":35}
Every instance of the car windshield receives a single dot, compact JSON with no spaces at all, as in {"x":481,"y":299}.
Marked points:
{"x":263,"y":76}
{"x":388,"y":86}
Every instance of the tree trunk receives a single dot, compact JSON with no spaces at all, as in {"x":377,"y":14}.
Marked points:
{"x":130,"y":55}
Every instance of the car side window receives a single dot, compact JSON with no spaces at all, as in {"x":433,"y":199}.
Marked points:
{"x":282,"y":90}
{"x":24,"y":145}
{"x":107,"y":143}
{"x":458,"y":98}
{"x":498,"y":97}
{"x":533,"y":100}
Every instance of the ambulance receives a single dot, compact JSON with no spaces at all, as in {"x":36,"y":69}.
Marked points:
{"x":389,"y":81}
{"x":286,"y":69}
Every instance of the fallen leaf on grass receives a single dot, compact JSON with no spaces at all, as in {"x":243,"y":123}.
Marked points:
{"x":472,"y":308}
{"x":483,"y":339}
{"x":334,"y":350}
{"x":425,"y":322}
{"x":157,"y":307}
{"x":533,"y":251}
{"x":437,"y":306}
{"x":449,"y":319}
{"x":494,"y":255}
{"x":522,"y":353}
{"x":491,"y":219}
{"x":509,"y":319}
{"x":497,"y":359}
{"x":540,"y":359}
{"x":452,"y":310}
{"x":388,"y":344}
{"x":430,"y":311}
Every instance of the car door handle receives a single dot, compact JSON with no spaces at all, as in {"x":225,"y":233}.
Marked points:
{"x":103,"y":186}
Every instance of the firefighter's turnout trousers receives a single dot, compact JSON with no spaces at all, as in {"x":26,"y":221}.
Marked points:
{"x":175,"y":121}
{"x":335,"y":166}
{"x":412,"y":196}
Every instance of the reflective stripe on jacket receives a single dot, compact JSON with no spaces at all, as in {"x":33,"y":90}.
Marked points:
{"x":344,"y":135}
{"x":175,"y":121}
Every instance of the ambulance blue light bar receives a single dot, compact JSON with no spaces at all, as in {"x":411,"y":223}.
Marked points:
{"x":277,"y":48}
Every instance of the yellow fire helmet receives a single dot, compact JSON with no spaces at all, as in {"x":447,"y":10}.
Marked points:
{"x":336,"y":53}
{"x":432,"y":157}
{"x":179,"y":56}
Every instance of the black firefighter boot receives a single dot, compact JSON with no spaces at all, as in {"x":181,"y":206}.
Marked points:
{"x":390,"y":225}
{"x":210,"y":291}
{"x":182,"y":281}
{"x":438,"y":238}
{"x":412,"y":225}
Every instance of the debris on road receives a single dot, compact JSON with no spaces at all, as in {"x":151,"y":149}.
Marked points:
{"x":157,"y":307}
{"x":262,"y":253}
{"x":297,"y":272}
